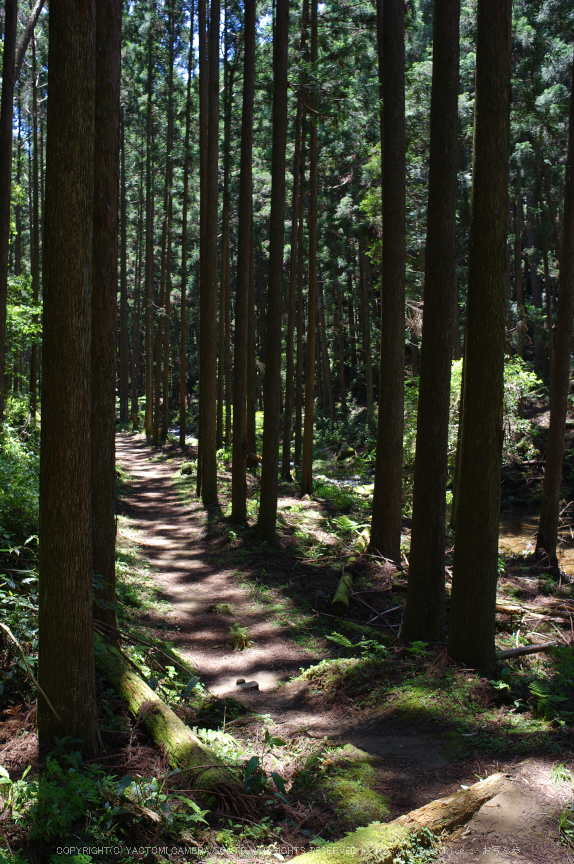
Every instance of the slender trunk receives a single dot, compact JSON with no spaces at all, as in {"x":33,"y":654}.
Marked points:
{"x":367,"y":335}
{"x":307,"y":467}
{"x":387,"y":498}
{"x":300,"y":303}
{"x":224,"y":361}
{"x":208,"y":332}
{"x":183,"y":310}
{"x":330,"y":398}
{"x":124,"y":333}
{"x":472,"y":613}
{"x":35,"y":229}
{"x":351,"y":310}
{"x":250,"y":435}
{"x":272,"y":394}
{"x":203,"y":139}
{"x":287,"y":416}
{"x":168,"y":217}
{"x":166,"y":331}
{"x":6,"y":107}
{"x":341,"y":350}
{"x":243,"y":308}
{"x":424,"y":613}
{"x":549,"y":515}
{"x":136,"y":322}
{"x":553,"y":219}
{"x":149,"y":245}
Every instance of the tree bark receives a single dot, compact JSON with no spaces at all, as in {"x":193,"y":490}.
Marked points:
{"x":203,"y":139}
{"x":300,"y":303}
{"x":289,"y":376}
{"x":35,"y":229}
{"x":208,"y":332}
{"x":124,"y":333}
{"x":136,"y":321}
{"x":244,"y":248}
{"x":104,"y":301}
{"x":183,"y":309}
{"x":387,"y":497}
{"x":424,"y":613}
{"x":549,"y":514}
{"x":66,"y":647}
{"x":149,"y":242}
{"x":307,"y":467}
{"x":472,"y":614}
{"x":367,"y":334}
{"x":6,"y":108}
{"x":272,"y":394}
{"x":168,"y":216}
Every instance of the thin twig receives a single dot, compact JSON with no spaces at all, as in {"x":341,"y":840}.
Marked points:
{"x":13,"y":638}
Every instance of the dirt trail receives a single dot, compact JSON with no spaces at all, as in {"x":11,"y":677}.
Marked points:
{"x":174,"y":537}
{"x":520,"y":825}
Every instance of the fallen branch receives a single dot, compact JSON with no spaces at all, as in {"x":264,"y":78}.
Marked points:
{"x":525,"y":649}
{"x":184,"y":749}
{"x":380,"y":843}
{"x":15,"y":641}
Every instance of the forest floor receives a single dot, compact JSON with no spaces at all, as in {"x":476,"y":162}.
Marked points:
{"x":408,"y":738}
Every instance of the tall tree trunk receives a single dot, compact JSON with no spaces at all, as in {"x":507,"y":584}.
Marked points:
{"x":183,"y":310}
{"x":104,"y":301}
{"x":148,"y":423}
{"x":166,"y":331}
{"x":136,"y":321}
{"x":519,"y":228}
{"x":66,"y":647}
{"x":535,"y":288}
{"x":342,"y":383}
{"x":367,"y":334}
{"x":472,"y":613}
{"x":6,"y":107}
{"x":549,"y":514}
{"x":250,"y":435}
{"x":387,"y":498}
{"x":208,"y":332}
{"x":124,"y":336}
{"x":553,"y":219}
{"x":300,"y":303}
{"x":35,"y":229}
{"x":272,"y":394}
{"x":287,"y":416}
{"x":203,"y":143}
{"x":424,"y":613}
{"x":224,"y":359}
{"x":328,"y":380}
{"x":307,"y":467}
{"x":244,"y":252}
{"x":168,"y":217}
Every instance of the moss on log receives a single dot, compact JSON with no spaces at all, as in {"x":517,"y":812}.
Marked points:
{"x":340,"y":603}
{"x":380,"y":843}
{"x":184,"y":749}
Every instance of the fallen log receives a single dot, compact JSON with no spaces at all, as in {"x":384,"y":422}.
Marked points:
{"x":184,"y":749}
{"x":380,"y":843}
{"x":525,"y":649}
{"x":548,"y":612}
{"x":340,"y":602}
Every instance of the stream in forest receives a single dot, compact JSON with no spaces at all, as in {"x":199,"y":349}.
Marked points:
{"x":517,"y":534}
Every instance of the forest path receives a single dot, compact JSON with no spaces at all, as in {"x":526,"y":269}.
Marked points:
{"x":175,"y":539}
{"x":412,"y":762}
